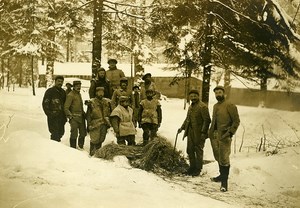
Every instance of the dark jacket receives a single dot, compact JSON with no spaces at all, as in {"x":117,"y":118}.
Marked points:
{"x":197,"y":120}
{"x":225,"y":119}
{"x":53,"y":102}
{"x":100,"y":83}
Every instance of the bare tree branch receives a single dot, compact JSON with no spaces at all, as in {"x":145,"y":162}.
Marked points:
{"x":128,"y":5}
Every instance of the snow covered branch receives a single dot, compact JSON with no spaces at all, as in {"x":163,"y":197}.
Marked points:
{"x":5,"y":127}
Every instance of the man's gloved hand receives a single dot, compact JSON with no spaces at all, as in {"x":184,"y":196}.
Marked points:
{"x":227,"y":134}
{"x":179,"y":130}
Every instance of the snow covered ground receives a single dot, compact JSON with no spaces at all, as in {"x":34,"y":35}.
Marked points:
{"x":37,"y":172}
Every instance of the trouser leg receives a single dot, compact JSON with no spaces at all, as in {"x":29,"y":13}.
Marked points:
{"x":74,"y":132}
{"x":130,"y":140}
{"x":146,"y":133}
{"x":121,"y":140}
{"x":82,"y":133}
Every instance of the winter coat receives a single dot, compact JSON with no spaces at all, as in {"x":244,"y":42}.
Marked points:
{"x":74,"y":106}
{"x":144,"y":88}
{"x":118,"y":93}
{"x":150,"y":112}
{"x":53,"y":102}
{"x":197,"y":120}
{"x":122,"y":121}
{"x":114,"y":76}
{"x":98,"y":113}
{"x":225,"y":119}
{"x":105,"y":83}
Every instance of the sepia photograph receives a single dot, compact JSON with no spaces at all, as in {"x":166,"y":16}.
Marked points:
{"x":150,"y":103}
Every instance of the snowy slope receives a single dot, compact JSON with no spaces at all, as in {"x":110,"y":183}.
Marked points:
{"x":37,"y":172}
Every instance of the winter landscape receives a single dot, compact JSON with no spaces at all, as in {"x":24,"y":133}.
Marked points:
{"x":251,"y":47}
{"x":38,"y":172}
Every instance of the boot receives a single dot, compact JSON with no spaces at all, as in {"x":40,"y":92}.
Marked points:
{"x":189,"y":171}
{"x":217,"y":178}
{"x":92,"y":147}
{"x":224,"y":178}
{"x":73,"y":143}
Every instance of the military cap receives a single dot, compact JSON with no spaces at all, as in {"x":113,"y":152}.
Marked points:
{"x":59,"y":77}
{"x":124,"y":79}
{"x":194,"y":92}
{"x":219,"y":87}
{"x":112,"y":61}
{"x":68,"y":83}
{"x":146,"y":75}
{"x":76,"y":82}
{"x":123,"y":98}
{"x":99,"y":88}
{"x":100,"y":69}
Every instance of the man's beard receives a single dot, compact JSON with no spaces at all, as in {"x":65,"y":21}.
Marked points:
{"x":220,"y":97}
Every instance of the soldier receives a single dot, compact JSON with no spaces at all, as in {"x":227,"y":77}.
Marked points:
{"x":135,"y":103}
{"x":53,"y":106}
{"x":196,"y":126}
{"x":69,"y":87}
{"x":74,"y":111}
{"x":121,"y":120}
{"x":114,"y":74}
{"x":100,"y":81}
{"x":150,"y":116}
{"x":225,"y":122}
{"x":123,"y":91}
{"x":148,"y":84}
{"x":97,"y":117}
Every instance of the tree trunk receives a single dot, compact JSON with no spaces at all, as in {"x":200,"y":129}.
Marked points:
{"x":32,"y":75}
{"x":227,"y":85}
{"x":20,"y":64}
{"x":207,"y":56}
{"x":97,"y":36}
{"x":2,"y":71}
{"x":68,"y":47}
{"x":8,"y":75}
{"x":50,"y":50}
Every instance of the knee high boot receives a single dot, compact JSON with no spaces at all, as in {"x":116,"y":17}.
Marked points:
{"x":224,"y":178}
{"x":217,"y":178}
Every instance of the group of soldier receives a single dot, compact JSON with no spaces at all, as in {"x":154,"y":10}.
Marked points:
{"x":112,"y":104}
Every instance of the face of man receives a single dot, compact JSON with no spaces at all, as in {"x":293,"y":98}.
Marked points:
{"x":194,"y":97}
{"x":101,"y":74}
{"x":77,"y":87}
{"x":219,"y":95}
{"x":100,"y":94}
{"x":112,"y":64}
{"x":59,"y":83}
{"x":149,"y":95}
{"x":69,"y":86}
{"x":123,"y":85}
{"x":125,"y":104}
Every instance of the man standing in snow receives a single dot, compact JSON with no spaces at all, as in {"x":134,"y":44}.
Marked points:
{"x":97,"y":117}
{"x":100,"y":81}
{"x":114,"y":74}
{"x":74,"y":111}
{"x":122,"y":122}
{"x":225,"y":122}
{"x":53,"y":106}
{"x":69,"y":88}
{"x":123,"y":91}
{"x":147,"y":85}
{"x":150,"y":116}
{"x":196,"y":128}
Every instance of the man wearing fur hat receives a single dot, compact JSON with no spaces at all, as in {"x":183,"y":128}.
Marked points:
{"x":114,"y":74}
{"x":100,"y":81}
{"x":53,"y":106}
{"x":74,"y":111}
{"x":150,"y":116}
{"x":225,"y":122}
{"x":123,"y":91}
{"x":121,"y":120}
{"x":196,"y":127}
{"x":97,"y":117}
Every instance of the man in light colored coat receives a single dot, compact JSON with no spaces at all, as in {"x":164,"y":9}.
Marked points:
{"x":121,"y":120}
{"x":225,"y":122}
